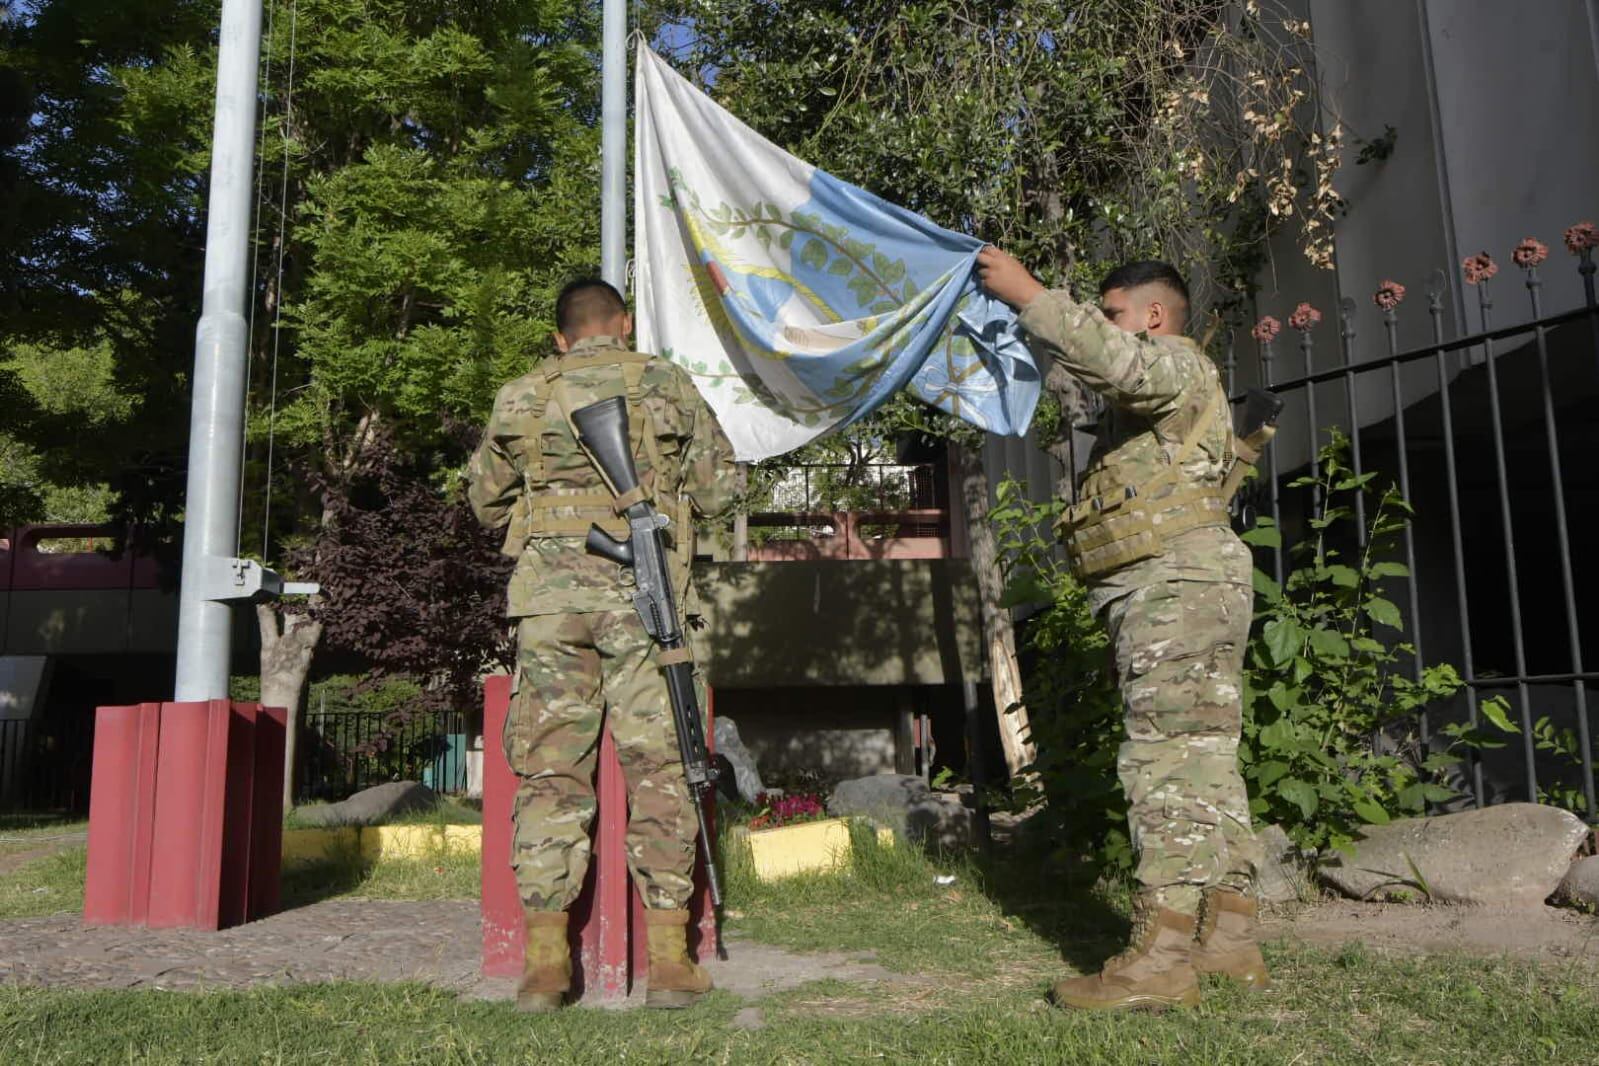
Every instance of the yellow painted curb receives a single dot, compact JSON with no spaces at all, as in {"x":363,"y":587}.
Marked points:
{"x":382,"y":841}
{"x":809,"y":847}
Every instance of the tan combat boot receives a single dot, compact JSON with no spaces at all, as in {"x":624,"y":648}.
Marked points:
{"x":547,"y":964}
{"x":674,"y":980}
{"x":1226,"y":941}
{"x":1152,"y":974}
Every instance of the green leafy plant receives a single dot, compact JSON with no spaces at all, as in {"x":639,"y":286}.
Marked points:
{"x":1330,"y":742}
{"x":1330,"y":739}
{"x":1566,"y":747}
{"x":1070,"y":688}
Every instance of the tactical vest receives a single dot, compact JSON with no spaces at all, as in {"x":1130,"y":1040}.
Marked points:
{"x":1124,"y":524}
{"x":549,"y":513}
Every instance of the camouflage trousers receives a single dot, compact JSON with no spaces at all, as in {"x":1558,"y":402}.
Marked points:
{"x":1179,"y":648}
{"x":575,"y":671}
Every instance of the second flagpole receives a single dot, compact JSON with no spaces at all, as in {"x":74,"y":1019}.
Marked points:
{"x":613,"y":145}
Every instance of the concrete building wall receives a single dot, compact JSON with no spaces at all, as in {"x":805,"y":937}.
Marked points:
{"x":1496,"y":105}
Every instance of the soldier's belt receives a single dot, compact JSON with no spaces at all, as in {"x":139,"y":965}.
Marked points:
{"x":552,"y":515}
{"x":1102,"y":536}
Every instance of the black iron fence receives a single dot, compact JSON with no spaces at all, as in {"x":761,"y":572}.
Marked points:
{"x":1492,"y":438}
{"x":45,"y":762}
{"x":341,"y":753}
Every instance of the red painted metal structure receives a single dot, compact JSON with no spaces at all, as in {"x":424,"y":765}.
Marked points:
{"x":103,"y":563}
{"x":607,"y":925}
{"x":185,"y":815}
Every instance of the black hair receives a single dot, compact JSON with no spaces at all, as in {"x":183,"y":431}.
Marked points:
{"x":1146,"y":272}
{"x":585,"y":302}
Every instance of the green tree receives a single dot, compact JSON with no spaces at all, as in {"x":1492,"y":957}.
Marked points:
{"x":104,"y":119}
{"x":434,"y":166}
{"x":428,"y":181}
{"x":1078,"y":135}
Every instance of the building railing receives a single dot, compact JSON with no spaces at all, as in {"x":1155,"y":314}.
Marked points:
{"x":853,"y":511}
{"x":1491,"y":437}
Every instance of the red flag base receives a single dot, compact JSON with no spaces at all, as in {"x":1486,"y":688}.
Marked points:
{"x":607,"y":923}
{"x":185,"y":815}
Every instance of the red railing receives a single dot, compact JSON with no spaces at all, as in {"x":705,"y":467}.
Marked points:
{"x":911,"y":534}
{"x":91,"y":557}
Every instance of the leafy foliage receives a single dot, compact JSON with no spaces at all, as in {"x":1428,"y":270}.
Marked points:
{"x":1330,"y":740}
{"x":429,"y":610}
{"x":1070,"y":684}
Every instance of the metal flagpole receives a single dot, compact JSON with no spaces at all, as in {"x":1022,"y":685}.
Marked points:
{"x":212,"y":578}
{"x":613,"y":146}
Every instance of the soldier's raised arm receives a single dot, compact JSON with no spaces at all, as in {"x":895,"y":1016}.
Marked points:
{"x":1134,"y":371}
{"x":493,"y":482}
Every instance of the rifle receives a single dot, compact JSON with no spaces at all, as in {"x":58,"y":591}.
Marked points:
{"x":602,"y":430}
{"x":1261,"y":409}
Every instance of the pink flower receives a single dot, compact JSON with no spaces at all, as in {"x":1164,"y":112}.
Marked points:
{"x":1266,"y":329}
{"x":1529,"y":253}
{"x":1581,"y":237}
{"x":1389,"y":295}
{"x":1304,"y":318}
{"x":1479,"y":268}
{"x":785,"y":810}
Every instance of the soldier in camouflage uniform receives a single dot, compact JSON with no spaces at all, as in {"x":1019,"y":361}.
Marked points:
{"x":1151,"y":540}
{"x":583,"y":654}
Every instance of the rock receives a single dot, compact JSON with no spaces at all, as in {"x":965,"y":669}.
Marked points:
{"x":372,"y":806}
{"x":1515,"y":853}
{"x":1581,"y":885}
{"x":1283,"y":877}
{"x":939,"y":820}
{"x":746,"y":776}
{"x":906,"y":803}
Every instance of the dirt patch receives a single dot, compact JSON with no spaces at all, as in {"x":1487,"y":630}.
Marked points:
{"x":1543,"y":933}
{"x":350,"y":940}
{"x":17,"y":852}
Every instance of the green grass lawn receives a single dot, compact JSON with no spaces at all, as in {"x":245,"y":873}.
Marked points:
{"x":1330,"y":1009}
{"x":29,"y":832}
{"x":972,"y":958}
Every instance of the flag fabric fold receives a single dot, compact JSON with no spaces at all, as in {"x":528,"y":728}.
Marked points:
{"x":799,"y":302}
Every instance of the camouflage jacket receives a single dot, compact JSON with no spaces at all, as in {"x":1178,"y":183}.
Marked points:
{"x":513,"y":486}
{"x":1156,"y":388}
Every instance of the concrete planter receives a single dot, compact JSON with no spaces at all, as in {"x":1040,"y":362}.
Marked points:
{"x":809,"y":847}
{"x":381,"y":841}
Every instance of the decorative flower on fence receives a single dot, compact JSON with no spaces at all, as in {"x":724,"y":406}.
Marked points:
{"x":1479,"y":268}
{"x":1529,"y":253}
{"x":1304,"y":318}
{"x":1266,"y":330}
{"x":1581,"y":237}
{"x":1389,"y":295}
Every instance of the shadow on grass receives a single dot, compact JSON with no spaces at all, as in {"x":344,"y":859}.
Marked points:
{"x":1066,"y":905}
{"x":915,"y":911}
{"x":344,"y":872}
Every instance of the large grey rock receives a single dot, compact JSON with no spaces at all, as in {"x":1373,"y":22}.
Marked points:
{"x":372,"y":806}
{"x":939,"y":820}
{"x":1515,"y":853}
{"x":1283,"y":876}
{"x":1581,"y":884}
{"x":908,"y":805}
{"x":746,"y":776}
